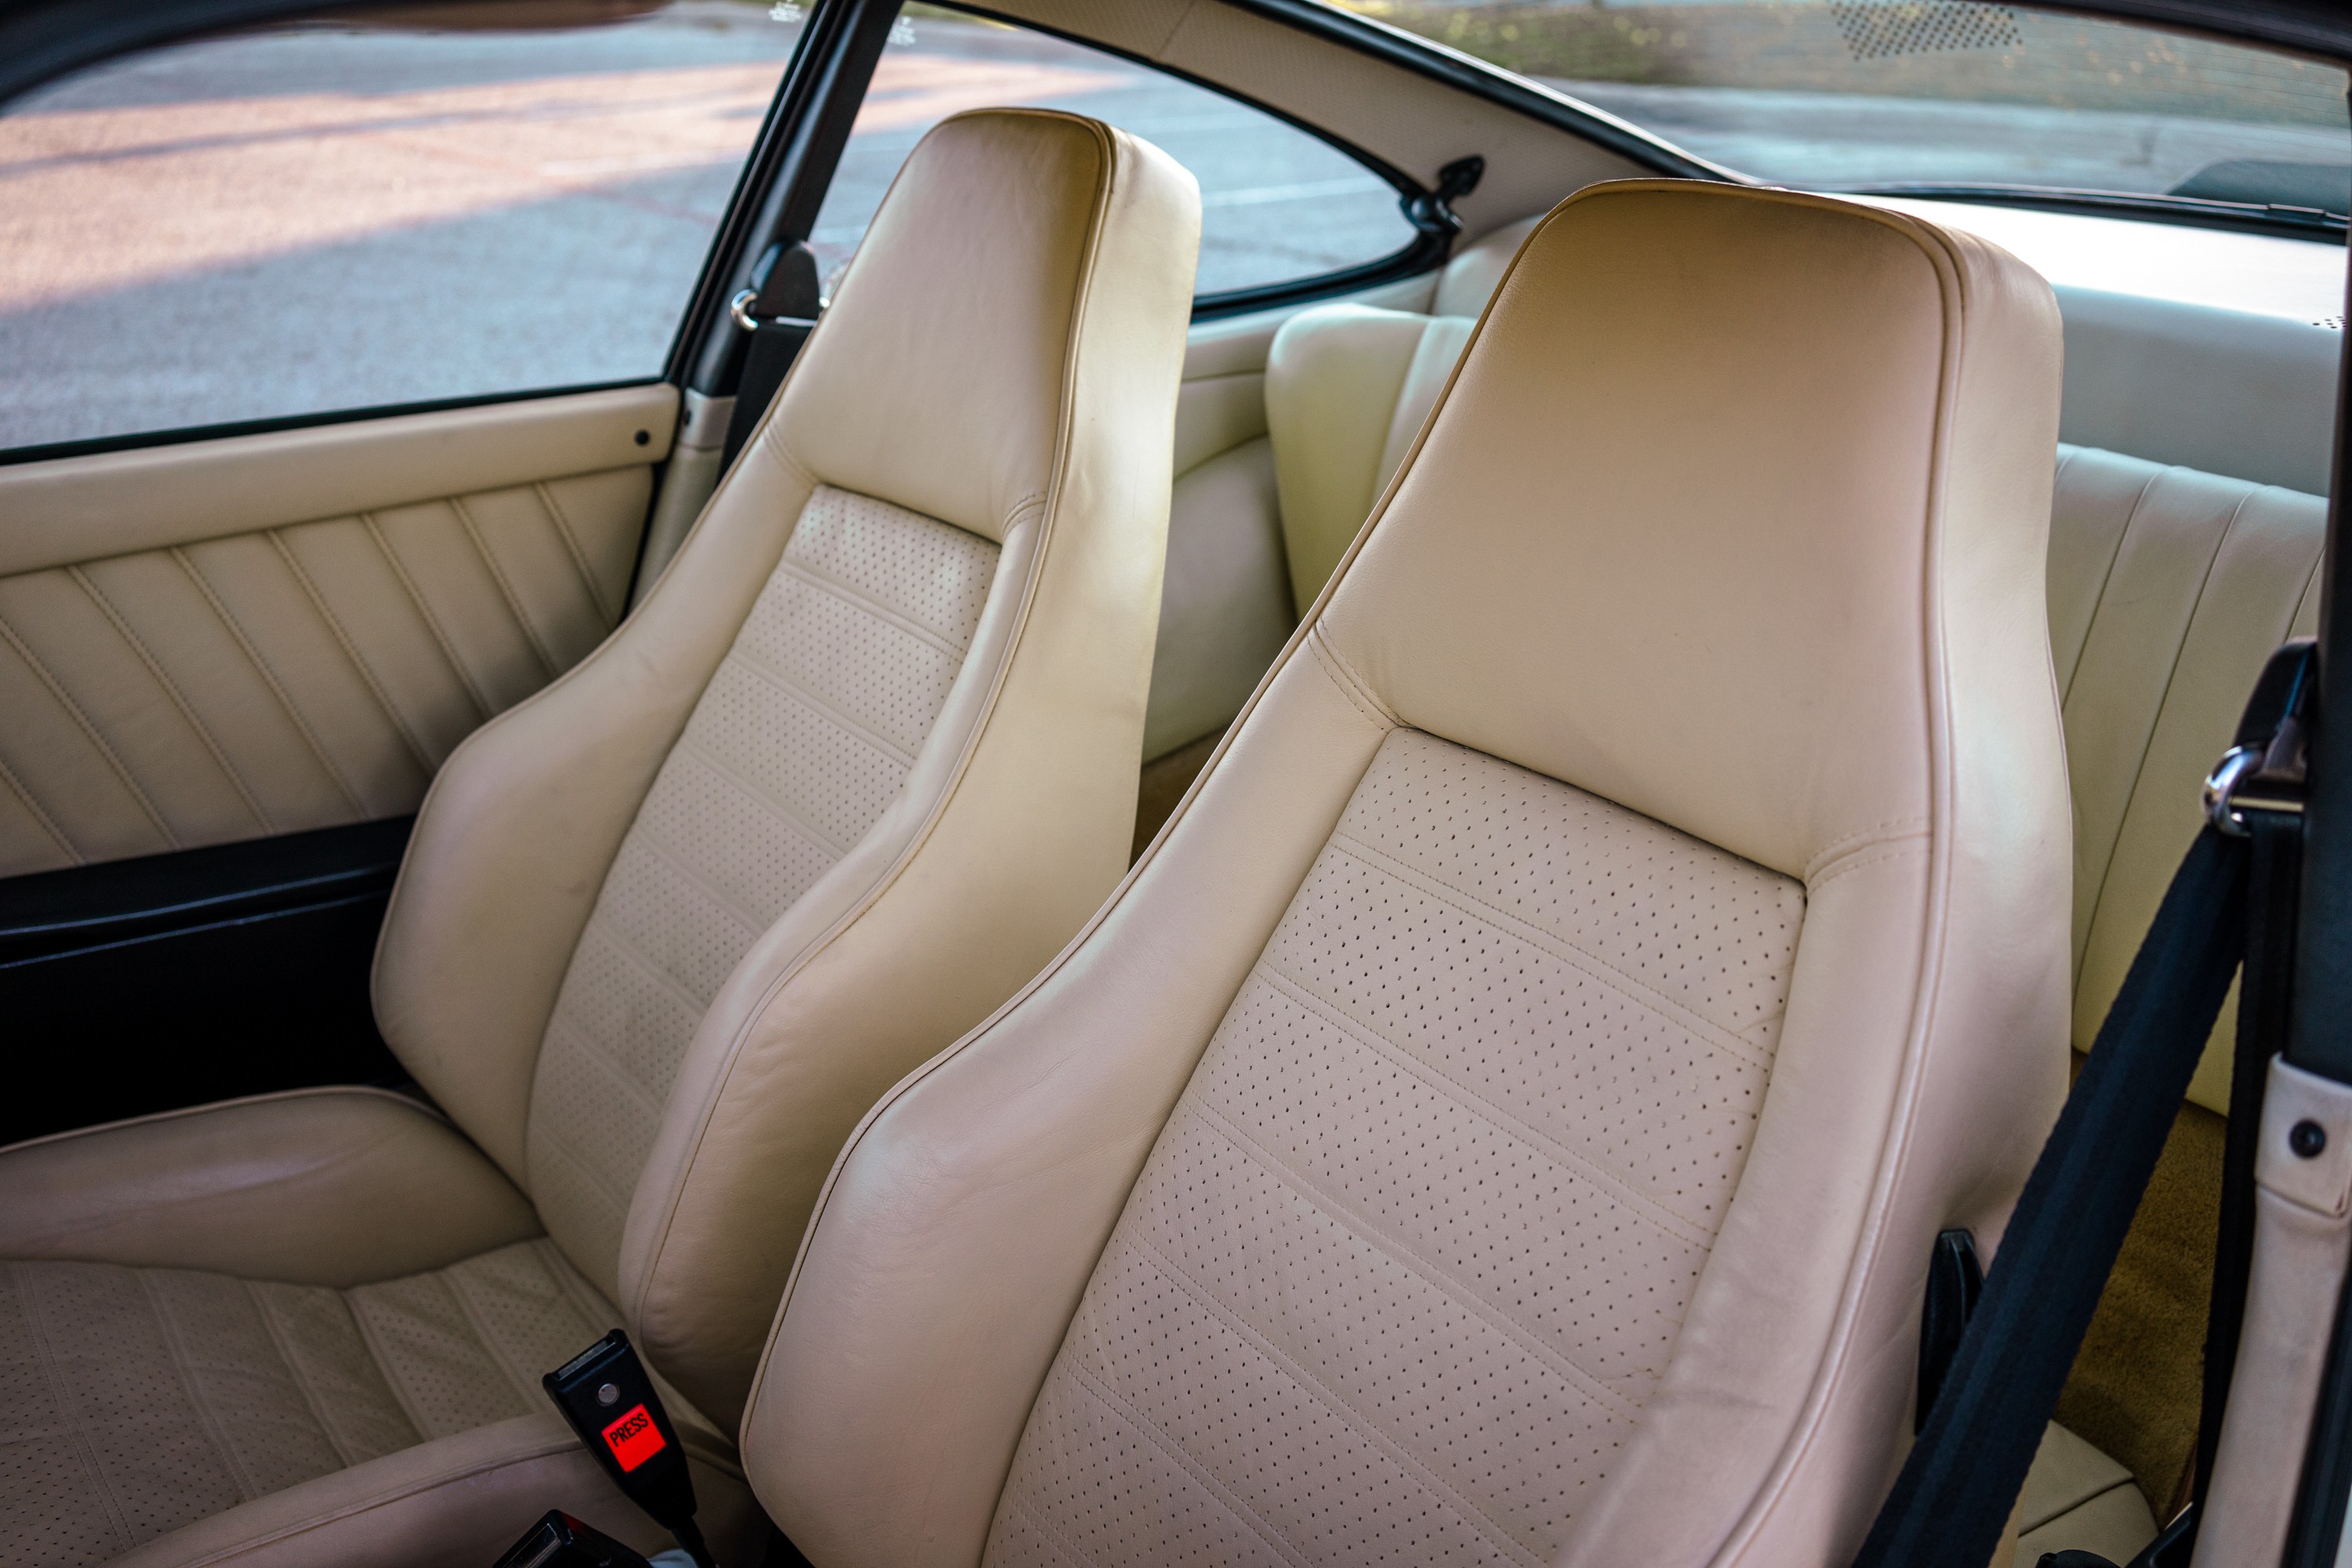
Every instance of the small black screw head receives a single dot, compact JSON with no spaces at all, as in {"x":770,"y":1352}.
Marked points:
{"x":645,"y":437}
{"x":2307,"y":1139}
{"x":608,"y":1395}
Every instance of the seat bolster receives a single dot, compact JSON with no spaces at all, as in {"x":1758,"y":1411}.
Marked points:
{"x":522,"y":823}
{"x":323,"y":1186}
{"x":958,"y":1230}
{"x":458,"y":1500}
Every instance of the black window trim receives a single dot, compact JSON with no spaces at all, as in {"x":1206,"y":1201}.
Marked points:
{"x":1424,"y":252}
{"x":2272,"y":25}
{"x":188,"y":435}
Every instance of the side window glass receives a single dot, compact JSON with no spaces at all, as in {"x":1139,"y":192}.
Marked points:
{"x":1876,"y":94}
{"x":1277,"y":204}
{"x":332,"y":216}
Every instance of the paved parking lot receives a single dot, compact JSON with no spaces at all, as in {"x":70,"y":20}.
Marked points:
{"x":324,"y":218}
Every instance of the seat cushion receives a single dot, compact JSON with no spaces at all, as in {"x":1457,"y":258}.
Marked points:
{"x":141,"y":1399}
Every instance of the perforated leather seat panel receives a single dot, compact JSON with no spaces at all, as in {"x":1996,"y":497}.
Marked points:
{"x":803,"y":737}
{"x":142,"y":1399}
{"x":1420,"y":1234}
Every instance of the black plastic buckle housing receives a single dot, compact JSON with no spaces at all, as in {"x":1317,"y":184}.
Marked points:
{"x":609,"y":1398}
{"x":560,"y":1540}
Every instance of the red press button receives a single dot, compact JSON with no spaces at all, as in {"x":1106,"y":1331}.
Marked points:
{"x":634,"y":1439}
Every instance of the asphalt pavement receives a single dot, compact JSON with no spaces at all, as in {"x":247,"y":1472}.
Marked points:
{"x":322,"y":217}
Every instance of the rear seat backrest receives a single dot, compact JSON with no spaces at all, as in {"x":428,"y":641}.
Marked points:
{"x":1347,"y":388}
{"x":2168,"y":590}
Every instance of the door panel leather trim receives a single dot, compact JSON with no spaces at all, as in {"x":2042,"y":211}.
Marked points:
{"x":67,"y":509}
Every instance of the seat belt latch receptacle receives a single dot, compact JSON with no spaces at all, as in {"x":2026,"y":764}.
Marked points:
{"x":610,"y":1399}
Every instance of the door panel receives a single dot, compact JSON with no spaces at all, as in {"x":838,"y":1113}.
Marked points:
{"x":232,"y":639}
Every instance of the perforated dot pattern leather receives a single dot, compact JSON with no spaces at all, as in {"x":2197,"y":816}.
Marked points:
{"x":800,"y":741}
{"x":143,"y":1399}
{"x":1413,"y":1250}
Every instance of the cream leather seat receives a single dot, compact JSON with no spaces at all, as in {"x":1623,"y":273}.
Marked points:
{"x":860,"y":765}
{"x":1507,"y":1115}
{"x":2167,"y":589}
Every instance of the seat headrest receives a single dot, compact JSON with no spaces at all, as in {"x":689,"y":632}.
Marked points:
{"x":940,"y":376}
{"x":1735,"y":512}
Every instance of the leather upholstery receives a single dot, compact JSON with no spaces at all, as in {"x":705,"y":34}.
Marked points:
{"x":1347,"y":389}
{"x":859,"y":763}
{"x":1792,"y":620}
{"x":2169,"y":588}
{"x":197,"y":645}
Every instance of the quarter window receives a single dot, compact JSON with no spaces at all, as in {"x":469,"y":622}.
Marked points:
{"x":1277,"y":204}
{"x":1873,"y":94}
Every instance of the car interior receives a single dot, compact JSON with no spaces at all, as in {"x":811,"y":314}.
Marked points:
{"x":1147,"y":855}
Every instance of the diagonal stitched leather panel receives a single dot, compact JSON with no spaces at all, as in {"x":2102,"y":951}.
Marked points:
{"x":291,"y":679}
{"x":143,"y":1399}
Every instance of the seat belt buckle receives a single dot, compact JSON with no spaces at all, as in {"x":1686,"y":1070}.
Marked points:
{"x":609,"y":1398}
{"x":560,"y":1540}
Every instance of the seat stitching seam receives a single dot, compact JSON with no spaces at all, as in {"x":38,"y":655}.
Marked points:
{"x":162,"y":678}
{"x":2155,"y":718}
{"x":1413,"y":1261}
{"x":279,"y":1342}
{"x":1098,"y":1387}
{"x":1861,"y":838}
{"x":567,"y":1279}
{"x":89,"y":731}
{"x":751,"y":925}
{"x":433,"y":626}
{"x":556,"y":1144}
{"x":605,"y":1056}
{"x":45,"y":1348}
{"x":373,"y":1342}
{"x":1351,"y":684}
{"x":40,"y":816}
{"x":857,"y":599}
{"x":1464,"y":1508}
{"x":408,"y":738}
{"x":670,"y":985}
{"x":608,"y":615}
{"x":523,"y":622}
{"x":270,"y":678}
{"x":1856,"y":862}
{"x":693,"y":746}
{"x":1066,"y":1549}
{"x":471,"y":1310}
{"x":2107,"y":577}
{"x":820,"y":707}
{"x":1681,"y":1014}
{"x":1659,"y":1216}
{"x":176,"y":1348}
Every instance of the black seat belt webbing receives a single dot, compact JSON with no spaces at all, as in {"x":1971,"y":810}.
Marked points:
{"x":1953,"y":1497}
{"x":2263,"y":995}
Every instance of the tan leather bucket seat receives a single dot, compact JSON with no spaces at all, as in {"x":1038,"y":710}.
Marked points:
{"x":863,"y":761}
{"x":1508,"y":1113}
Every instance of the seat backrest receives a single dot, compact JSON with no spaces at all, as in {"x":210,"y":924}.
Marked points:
{"x":2168,"y":587}
{"x":1508,"y":1112}
{"x":858,"y":765}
